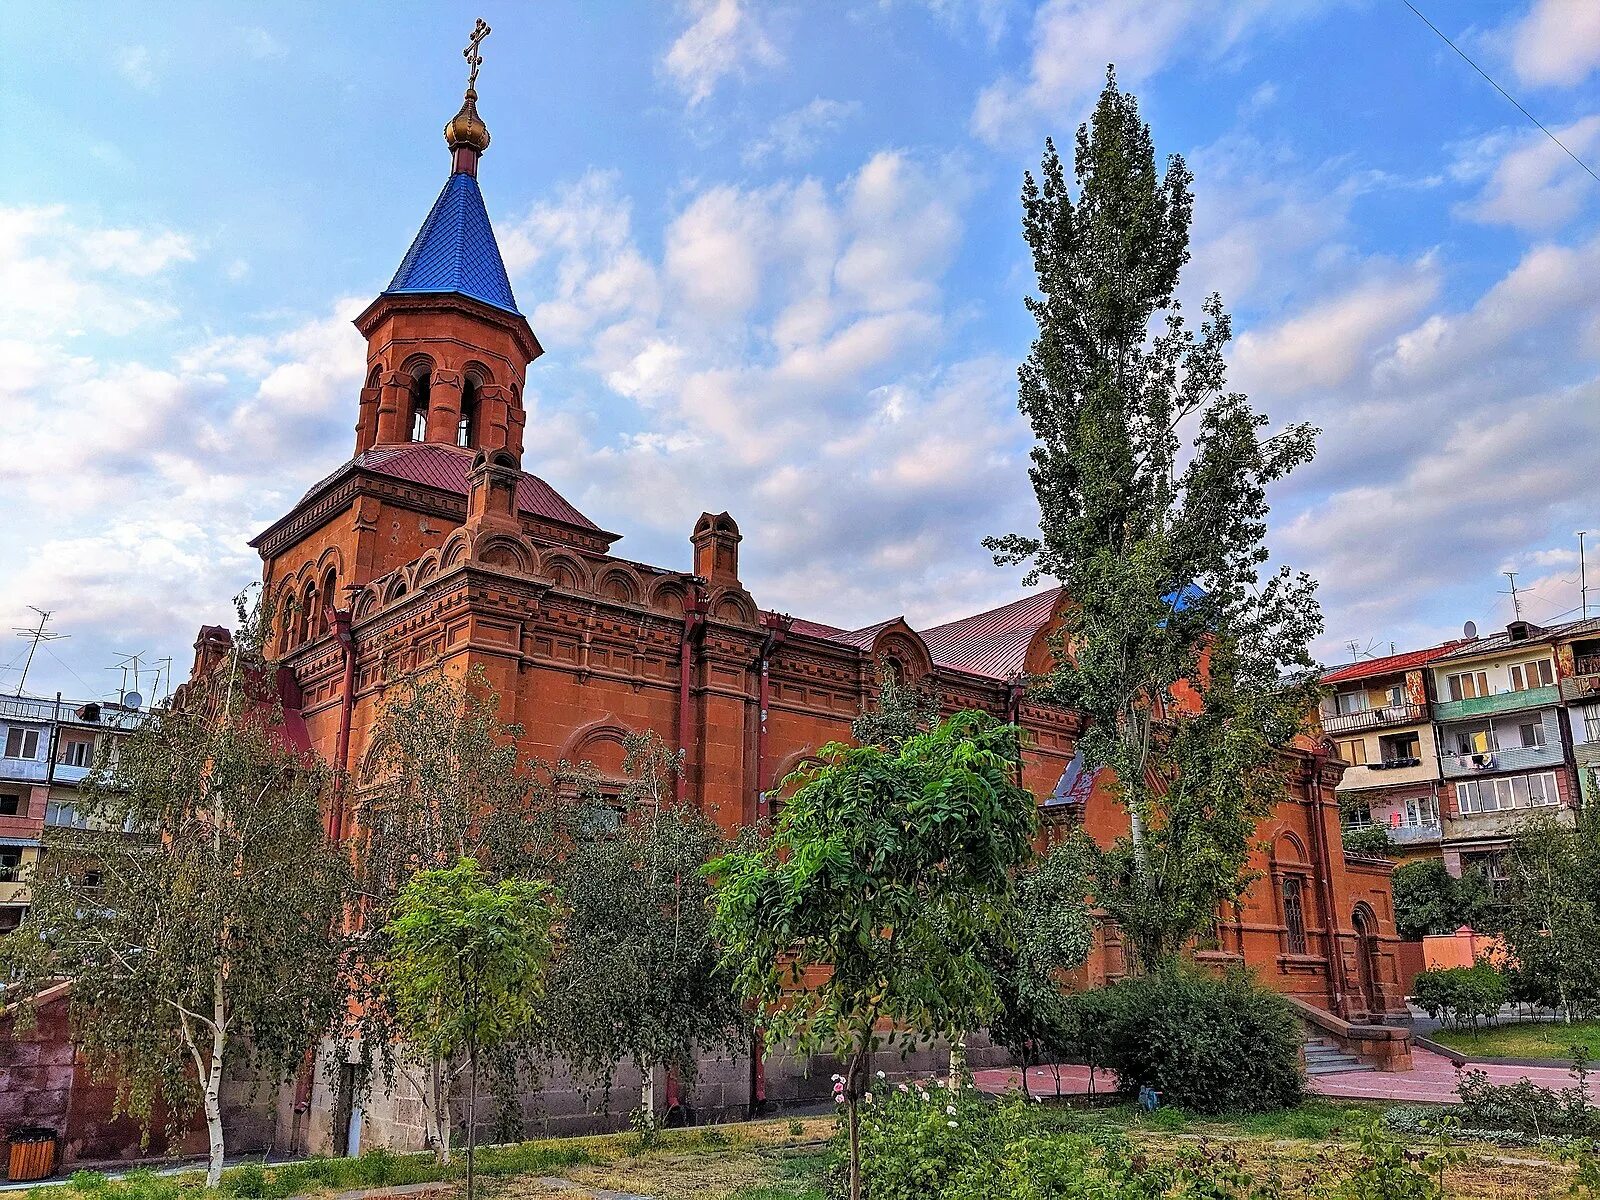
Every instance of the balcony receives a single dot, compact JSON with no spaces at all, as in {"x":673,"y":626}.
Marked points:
{"x":24,"y":770}
{"x":1382,"y":717}
{"x":1584,"y":682}
{"x":1520,"y":758}
{"x":1500,"y":702}
{"x":1418,"y":834}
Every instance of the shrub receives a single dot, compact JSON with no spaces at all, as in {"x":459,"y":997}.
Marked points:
{"x":1371,"y":841}
{"x":1461,"y":997}
{"x":1204,"y":1044}
{"x":1528,"y":1108}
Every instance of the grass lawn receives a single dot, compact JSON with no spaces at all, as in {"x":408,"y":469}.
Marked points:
{"x":786,"y":1159}
{"x":1529,"y":1039}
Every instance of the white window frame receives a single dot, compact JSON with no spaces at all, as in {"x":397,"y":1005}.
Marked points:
{"x":1504,"y":791}
{"x":25,"y":739}
{"x":1518,"y":673}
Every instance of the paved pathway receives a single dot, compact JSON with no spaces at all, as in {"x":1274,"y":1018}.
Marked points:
{"x":1431,"y":1080}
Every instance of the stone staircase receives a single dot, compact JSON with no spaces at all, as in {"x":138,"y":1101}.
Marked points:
{"x":1324,"y":1057}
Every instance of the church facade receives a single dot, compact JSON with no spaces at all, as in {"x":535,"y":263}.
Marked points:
{"x":433,"y":546}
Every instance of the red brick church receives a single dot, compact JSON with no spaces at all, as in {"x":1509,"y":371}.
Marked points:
{"x":436,"y":545}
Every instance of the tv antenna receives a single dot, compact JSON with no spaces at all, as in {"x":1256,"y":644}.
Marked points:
{"x":1516,"y":601}
{"x":35,"y":635}
{"x":1583,"y":576}
{"x":130,"y":662}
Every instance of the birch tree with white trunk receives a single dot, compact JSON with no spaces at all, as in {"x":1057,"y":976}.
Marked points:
{"x":198,"y":913}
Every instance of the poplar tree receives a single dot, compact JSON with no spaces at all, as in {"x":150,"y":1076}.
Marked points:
{"x":1186,"y":653}
{"x":198,"y":912}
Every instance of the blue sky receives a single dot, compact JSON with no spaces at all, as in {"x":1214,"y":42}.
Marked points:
{"x":773,"y":253}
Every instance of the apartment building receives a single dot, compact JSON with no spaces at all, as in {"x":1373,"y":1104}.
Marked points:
{"x":47,"y":749}
{"x":1377,"y":714}
{"x":1504,"y":749}
{"x":1578,"y":668}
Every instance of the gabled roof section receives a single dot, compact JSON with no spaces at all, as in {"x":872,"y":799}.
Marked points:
{"x":445,"y":468}
{"x":455,"y":251}
{"x":993,"y":643}
{"x":1391,"y":664}
{"x":1537,"y":635}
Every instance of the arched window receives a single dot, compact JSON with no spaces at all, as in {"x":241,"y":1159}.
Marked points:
{"x":330,"y":593}
{"x":421,"y":385}
{"x":1294,"y":915}
{"x":467,"y":426}
{"x":308,"y":604}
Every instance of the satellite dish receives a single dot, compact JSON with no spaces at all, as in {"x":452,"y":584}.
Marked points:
{"x":1470,"y":631}
{"x":132,"y":700}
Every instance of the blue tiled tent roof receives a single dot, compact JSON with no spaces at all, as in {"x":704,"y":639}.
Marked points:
{"x":455,"y":250}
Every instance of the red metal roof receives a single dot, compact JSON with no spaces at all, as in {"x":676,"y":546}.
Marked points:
{"x":993,"y":643}
{"x":445,"y":467}
{"x":1392,"y":664}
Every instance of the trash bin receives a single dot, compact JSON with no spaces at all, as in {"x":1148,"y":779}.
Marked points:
{"x":33,"y":1154}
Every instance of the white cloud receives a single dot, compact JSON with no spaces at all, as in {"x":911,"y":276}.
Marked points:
{"x":62,"y":277}
{"x":1531,"y":183}
{"x":137,"y":65}
{"x":1074,"y":40}
{"x":1331,"y":342}
{"x":796,"y":134}
{"x":1558,"y":43}
{"x":725,"y":38}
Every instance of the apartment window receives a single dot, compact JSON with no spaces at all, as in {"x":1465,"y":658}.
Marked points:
{"x":22,"y":743}
{"x":1533,"y":674}
{"x":10,"y":865}
{"x":61,"y":815}
{"x":1507,"y":793}
{"x":11,"y":805}
{"x":1477,"y":741}
{"x":77,"y":754}
{"x":1294,"y":916}
{"x":1352,"y":702}
{"x":1401,"y":748}
{"x":1422,"y":812}
{"x":1531,"y":734}
{"x":1354,"y":752}
{"x":1396,"y":696}
{"x":1468,"y":685}
{"x":1591,"y":722}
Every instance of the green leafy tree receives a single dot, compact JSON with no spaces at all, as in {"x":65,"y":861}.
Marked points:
{"x":1051,"y":931}
{"x":640,"y":977}
{"x":1429,"y":900}
{"x":1161,"y":548}
{"x":198,"y":912}
{"x":888,"y":869}
{"x":1550,"y":910}
{"x":899,"y":710}
{"x":465,"y":966}
{"x":444,"y":780}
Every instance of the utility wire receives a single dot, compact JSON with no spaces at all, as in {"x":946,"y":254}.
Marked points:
{"x":1500,"y":89}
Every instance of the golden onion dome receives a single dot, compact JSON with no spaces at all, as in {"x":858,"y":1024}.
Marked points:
{"x":466,"y":129}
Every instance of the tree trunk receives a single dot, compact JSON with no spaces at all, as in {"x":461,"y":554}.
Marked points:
{"x":958,"y":1062}
{"x":472,"y":1114}
{"x":852,"y":1096}
{"x":439,"y":1105}
{"x":213,"y":1083}
{"x":647,"y":1094}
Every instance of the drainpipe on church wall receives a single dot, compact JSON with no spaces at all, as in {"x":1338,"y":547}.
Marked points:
{"x":1330,"y":919}
{"x":694,"y":620}
{"x":777,"y":628}
{"x":347,"y":702}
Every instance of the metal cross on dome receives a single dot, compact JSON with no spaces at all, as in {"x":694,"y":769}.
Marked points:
{"x":474,"y":59}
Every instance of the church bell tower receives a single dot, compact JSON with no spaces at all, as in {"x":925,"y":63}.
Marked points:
{"x":447,"y":348}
